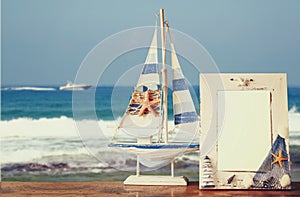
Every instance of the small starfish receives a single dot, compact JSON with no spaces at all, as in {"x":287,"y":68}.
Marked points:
{"x":278,"y":159}
{"x":146,"y":104}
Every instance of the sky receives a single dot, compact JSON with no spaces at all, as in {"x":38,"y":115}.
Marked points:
{"x":43,"y":42}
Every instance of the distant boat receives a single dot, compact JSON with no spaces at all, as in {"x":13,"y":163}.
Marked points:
{"x":72,"y":86}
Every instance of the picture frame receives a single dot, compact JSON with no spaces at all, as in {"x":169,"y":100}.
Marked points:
{"x":244,"y":138}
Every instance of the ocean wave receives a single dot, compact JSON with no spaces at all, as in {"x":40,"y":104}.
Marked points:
{"x":45,"y":140}
{"x":293,"y":109}
{"x":57,"y":169}
{"x":54,"y":127}
{"x":294,"y":123}
{"x":67,"y":127}
{"x":15,"y":153}
{"x":29,"y":88}
{"x":60,"y":127}
{"x":31,"y":161}
{"x":43,"y":127}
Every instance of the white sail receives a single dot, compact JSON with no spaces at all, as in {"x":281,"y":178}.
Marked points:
{"x":186,"y":119}
{"x":143,"y":115}
{"x":150,"y":74}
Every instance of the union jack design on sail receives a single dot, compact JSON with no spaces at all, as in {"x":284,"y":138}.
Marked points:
{"x":146,"y":102}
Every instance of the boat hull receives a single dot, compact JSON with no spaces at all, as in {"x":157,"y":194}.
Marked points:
{"x":156,"y":151}
{"x":75,"y":87}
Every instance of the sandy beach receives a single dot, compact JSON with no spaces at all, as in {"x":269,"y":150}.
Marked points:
{"x":118,"y":189}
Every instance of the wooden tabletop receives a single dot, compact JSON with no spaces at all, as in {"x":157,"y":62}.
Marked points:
{"x":118,"y":189}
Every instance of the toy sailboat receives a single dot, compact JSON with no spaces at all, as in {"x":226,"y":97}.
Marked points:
{"x":146,"y":117}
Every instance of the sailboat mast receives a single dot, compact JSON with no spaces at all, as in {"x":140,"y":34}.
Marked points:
{"x":164,"y":75}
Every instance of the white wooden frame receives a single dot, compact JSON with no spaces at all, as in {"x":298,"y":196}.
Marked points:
{"x":226,"y":101}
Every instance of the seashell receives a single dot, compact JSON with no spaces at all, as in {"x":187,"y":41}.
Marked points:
{"x":285,"y":180}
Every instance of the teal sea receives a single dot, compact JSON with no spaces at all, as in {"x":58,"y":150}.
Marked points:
{"x":40,"y":142}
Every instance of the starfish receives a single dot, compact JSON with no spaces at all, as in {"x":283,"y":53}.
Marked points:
{"x":278,"y":159}
{"x":146,"y":104}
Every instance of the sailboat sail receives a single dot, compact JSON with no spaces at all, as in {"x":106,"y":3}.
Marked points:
{"x":150,"y":73}
{"x":143,"y":115}
{"x":185,"y":116}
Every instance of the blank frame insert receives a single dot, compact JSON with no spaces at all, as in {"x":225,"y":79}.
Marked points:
{"x":244,"y":126}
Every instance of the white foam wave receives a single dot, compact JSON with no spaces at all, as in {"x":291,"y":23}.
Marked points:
{"x":59,"y":127}
{"x":294,"y":123}
{"x":43,"y":127}
{"x":29,"y":140}
{"x":37,"y":155}
{"x":294,"y":128}
{"x":52,"y":127}
{"x":67,"y":127}
{"x":60,"y":150}
{"x":293,"y":109}
{"x":29,"y":88}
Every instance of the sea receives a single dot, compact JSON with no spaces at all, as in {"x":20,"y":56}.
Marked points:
{"x":42,"y":140}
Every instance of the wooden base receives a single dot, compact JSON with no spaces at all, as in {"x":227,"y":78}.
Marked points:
{"x":117,"y":189}
{"x":156,"y":180}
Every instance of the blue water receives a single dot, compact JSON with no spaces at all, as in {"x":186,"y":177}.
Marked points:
{"x":294,"y":98}
{"x":37,"y":110}
{"x":37,"y":104}
{"x":110,"y":103}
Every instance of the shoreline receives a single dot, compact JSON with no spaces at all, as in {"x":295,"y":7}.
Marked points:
{"x":39,"y":171}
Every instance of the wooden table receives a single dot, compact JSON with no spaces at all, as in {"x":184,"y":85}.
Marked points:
{"x":118,"y":189}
